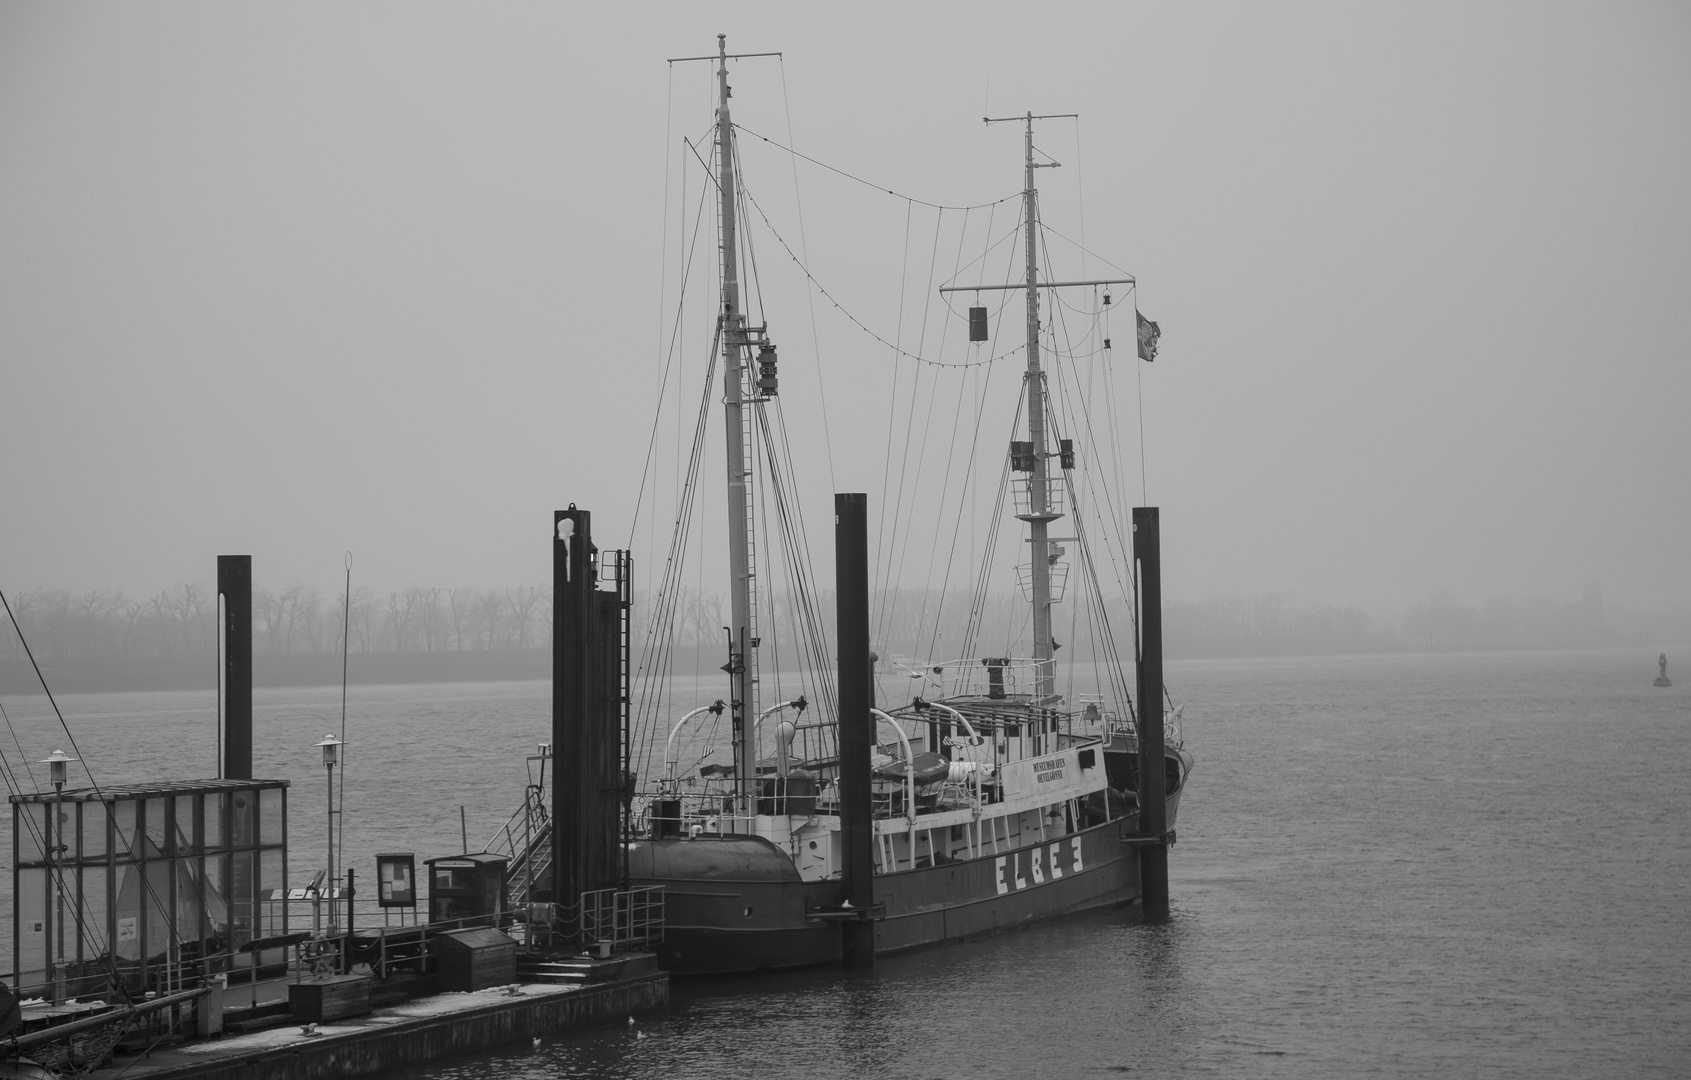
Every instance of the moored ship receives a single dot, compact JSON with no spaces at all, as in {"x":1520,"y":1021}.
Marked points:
{"x":993,"y":800}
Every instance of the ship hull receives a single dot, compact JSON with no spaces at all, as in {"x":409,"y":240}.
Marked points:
{"x":717,"y":924}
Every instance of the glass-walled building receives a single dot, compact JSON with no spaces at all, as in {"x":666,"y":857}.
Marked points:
{"x":147,"y":885}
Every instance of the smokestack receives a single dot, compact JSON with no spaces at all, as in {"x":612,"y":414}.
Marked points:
{"x":234,"y":587}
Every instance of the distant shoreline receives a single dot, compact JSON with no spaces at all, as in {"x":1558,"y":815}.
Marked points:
{"x":283,"y":670}
{"x":17,"y":678}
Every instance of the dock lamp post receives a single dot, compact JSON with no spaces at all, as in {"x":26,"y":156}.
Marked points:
{"x":58,"y":768}
{"x":331,"y":747}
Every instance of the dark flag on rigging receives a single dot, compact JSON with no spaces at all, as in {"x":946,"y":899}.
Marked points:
{"x":1148,"y":335}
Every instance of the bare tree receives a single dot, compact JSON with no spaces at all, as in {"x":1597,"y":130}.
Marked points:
{"x":460,"y":604}
{"x":490,"y":611}
{"x":425,"y":609}
{"x":522,"y":600}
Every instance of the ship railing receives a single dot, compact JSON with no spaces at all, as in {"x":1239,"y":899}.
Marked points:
{"x":89,"y":982}
{"x":627,"y":919}
{"x":517,"y":835}
{"x":991,"y":677}
{"x":674,"y":811}
{"x":1172,"y":734}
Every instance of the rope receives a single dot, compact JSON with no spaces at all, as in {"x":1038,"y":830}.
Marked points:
{"x":866,"y":183}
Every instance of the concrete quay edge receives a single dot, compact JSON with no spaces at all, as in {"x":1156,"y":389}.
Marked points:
{"x":418,"y":1032}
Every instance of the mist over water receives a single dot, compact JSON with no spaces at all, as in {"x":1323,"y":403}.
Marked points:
{"x":293,"y":279}
{"x":1445,"y":865}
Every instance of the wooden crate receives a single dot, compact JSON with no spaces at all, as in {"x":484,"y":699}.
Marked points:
{"x":332,"y":997}
{"x":474,"y":959}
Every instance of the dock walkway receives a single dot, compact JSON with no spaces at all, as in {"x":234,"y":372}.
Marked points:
{"x":412,"y":1033}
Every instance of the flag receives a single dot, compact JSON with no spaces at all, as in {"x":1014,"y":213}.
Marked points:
{"x":1148,"y":335}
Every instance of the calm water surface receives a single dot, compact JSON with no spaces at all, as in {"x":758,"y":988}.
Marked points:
{"x":1469,"y":865}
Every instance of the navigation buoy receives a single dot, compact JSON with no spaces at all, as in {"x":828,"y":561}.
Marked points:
{"x":1662,"y":679}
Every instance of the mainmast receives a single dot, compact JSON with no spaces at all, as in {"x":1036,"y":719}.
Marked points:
{"x":737,"y":339}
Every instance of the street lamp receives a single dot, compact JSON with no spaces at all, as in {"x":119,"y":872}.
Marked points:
{"x":58,"y":768}
{"x":331,"y":757}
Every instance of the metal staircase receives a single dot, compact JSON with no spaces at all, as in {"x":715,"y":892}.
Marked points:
{"x":526,"y":842}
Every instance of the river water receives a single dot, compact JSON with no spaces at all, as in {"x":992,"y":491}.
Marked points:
{"x":1446,"y":865}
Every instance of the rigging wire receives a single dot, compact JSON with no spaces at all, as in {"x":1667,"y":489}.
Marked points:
{"x":951,"y":445}
{"x":843,"y":310}
{"x":658,"y":648}
{"x":663,"y":287}
{"x":889,"y":605}
{"x":881,"y":539}
{"x":867,"y":183}
{"x":93,"y":783}
{"x":809,"y":293}
{"x":669,"y":362}
{"x":933,"y":394}
{"x":1082,"y":248}
{"x":971,"y":485}
{"x":977,"y":605}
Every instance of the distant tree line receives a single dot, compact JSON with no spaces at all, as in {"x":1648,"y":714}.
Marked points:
{"x":921,"y":624}
{"x":1268,"y":624}
{"x":106,"y":624}
{"x":1443,"y":622}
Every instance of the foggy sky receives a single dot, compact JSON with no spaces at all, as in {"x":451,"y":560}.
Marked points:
{"x":297,"y":279}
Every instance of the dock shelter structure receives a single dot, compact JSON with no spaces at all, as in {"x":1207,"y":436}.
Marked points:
{"x":145,"y":886}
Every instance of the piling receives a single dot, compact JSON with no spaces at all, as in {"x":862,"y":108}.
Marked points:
{"x":1153,"y":796}
{"x":857,"y":733}
{"x":234,"y":586}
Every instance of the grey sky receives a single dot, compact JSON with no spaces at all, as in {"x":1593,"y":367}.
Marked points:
{"x":292,"y":279}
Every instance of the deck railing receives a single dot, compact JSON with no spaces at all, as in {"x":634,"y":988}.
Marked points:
{"x":628,"y":919}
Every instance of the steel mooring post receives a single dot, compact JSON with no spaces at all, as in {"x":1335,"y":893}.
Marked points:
{"x":234,"y":586}
{"x":1153,"y":798}
{"x":851,"y":578}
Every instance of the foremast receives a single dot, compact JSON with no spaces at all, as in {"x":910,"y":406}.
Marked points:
{"x":736,"y":339}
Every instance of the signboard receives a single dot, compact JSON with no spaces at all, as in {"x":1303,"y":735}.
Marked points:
{"x":396,"y":877}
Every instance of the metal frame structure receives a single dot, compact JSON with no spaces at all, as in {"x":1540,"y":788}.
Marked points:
{"x":144,"y":886}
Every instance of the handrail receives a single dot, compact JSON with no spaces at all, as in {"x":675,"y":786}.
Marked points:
{"x":909,"y":778}
{"x":669,"y":762}
{"x":974,"y":740}
{"x":531,"y":805}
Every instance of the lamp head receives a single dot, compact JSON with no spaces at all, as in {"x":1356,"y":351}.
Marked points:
{"x":58,"y":766}
{"x":331,"y":750}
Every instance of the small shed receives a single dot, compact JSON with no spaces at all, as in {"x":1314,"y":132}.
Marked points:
{"x":474,"y":959}
{"x":469,"y":886}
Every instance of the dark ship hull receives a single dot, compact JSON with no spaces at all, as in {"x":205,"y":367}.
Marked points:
{"x":736,"y":904}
